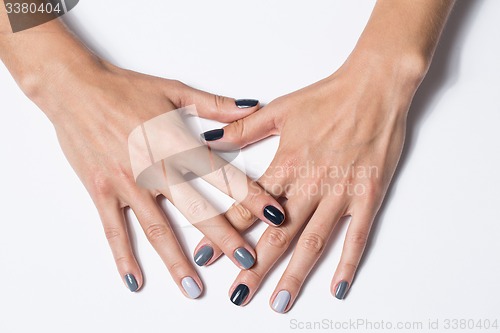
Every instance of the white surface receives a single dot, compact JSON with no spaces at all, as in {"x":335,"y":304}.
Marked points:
{"x":435,"y":250}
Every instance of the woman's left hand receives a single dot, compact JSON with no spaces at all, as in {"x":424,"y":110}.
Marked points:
{"x":341,"y":140}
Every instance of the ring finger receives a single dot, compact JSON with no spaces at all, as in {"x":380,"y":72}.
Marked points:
{"x":309,"y":248}
{"x":159,"y":233}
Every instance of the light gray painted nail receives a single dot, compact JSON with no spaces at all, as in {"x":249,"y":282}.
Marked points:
{"x":203,"y":255}
{"x":244,"y":257}
{"x":191,"y":287}
{"x":131,"y":282}
{"x":281,"y":301}
{"x":341,"y":289}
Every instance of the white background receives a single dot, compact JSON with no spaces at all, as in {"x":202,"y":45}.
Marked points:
{"x":434,"y":253}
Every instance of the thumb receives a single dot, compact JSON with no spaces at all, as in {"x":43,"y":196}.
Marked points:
{"x":243,"y":132}
{"x":210,"y":106}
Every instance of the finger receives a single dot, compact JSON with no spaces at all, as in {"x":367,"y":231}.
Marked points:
{"x":206,"y":252}
{"x":212,"y":224}
{"x":309,"y":248}
{"x":244,"y":131}
{"x":237,"y":185}
{"x":354,"y":246}
{"x":239,"y":216}
{"x":220,"y":108}
{"x":270,"y":248}
{"x":113,"y":221}
{"x":162,"y":237}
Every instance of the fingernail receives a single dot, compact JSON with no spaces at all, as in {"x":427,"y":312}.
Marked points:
{"x":131,"y":282}
{"x":281,"y":301}
{"x":274,"y":215}
{"x":203,"y":255}
{"x":213,"y":135}
{"x":246,"y":103}
{"x":240,"y":294}
{"x":191,"y":287}
{"x":341,"y":289}
{"x":244,"y":257}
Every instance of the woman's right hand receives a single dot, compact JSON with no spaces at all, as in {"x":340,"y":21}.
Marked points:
{"x":94,"y":106}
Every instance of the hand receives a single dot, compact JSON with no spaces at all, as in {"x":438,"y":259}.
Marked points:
{"x":94,"y":110}
{"x":94,"y":106}
{"x":341,"y":139}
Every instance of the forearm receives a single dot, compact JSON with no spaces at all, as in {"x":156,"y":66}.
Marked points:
{"x":403,"y":34}
{"x":36,"y":56}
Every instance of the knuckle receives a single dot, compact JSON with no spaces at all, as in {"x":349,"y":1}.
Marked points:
{"x":253,"y":275}
{"x":101,"y":186}
{"x":227,"y":240}
{"x":350,"y":266}
{"x":292,"y":280}
{"x":239,"y":131}
{"x":239,"y":216}
{"x":122,"y":260}
{"x":196,"y":207}
{"x":176,"y":268}
{"x":313,"y":243}
{"x":175,"y":84}
{"x":112,"y":233}
{"x":290,"y":163}
{"x":219,"y":102}
{"x":157,"y":231}
{"x":372,"y":194}
{"x":358,"y":238}
{"x":277,"y":238}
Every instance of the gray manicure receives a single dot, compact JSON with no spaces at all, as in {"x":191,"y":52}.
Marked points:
{"x":131,"y":282}
{"x":203,"y":255}
{"x":191,"y":287}
{"x":281,"y":301}
{"x":244,"y":257}
{"x":341,"y":289}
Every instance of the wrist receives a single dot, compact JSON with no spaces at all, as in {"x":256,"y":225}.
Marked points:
{"x":42,"y":57}
{"x":63,"y":81}
{"x":407,"y":68}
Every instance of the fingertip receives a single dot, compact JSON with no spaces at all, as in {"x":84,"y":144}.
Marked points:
{"x":239,"y":294}
{"x":192,"y":287}
{"x":274,"y":215}
{"x":203,"y":254}
{"x":280,"y":302}
{"x":244,"y":104}
{"x":245,"y":257}
{"x":133,"y":281}
{"x":340,"y":289}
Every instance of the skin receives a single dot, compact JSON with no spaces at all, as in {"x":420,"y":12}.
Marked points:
{"x":354,"y":119}
{"x":93,"y":106}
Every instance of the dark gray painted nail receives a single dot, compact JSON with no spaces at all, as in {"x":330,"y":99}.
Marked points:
{"x":131,"y":282}
{"x":274,"y":215}
{"x":341,"y":289}
{"x":240,"y":294}
{"x":244,"y":257}
{"x":213,"y":135}
{"x":281,"y":301}
{"x":246,"y":103}
{"x":203,"y":255}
